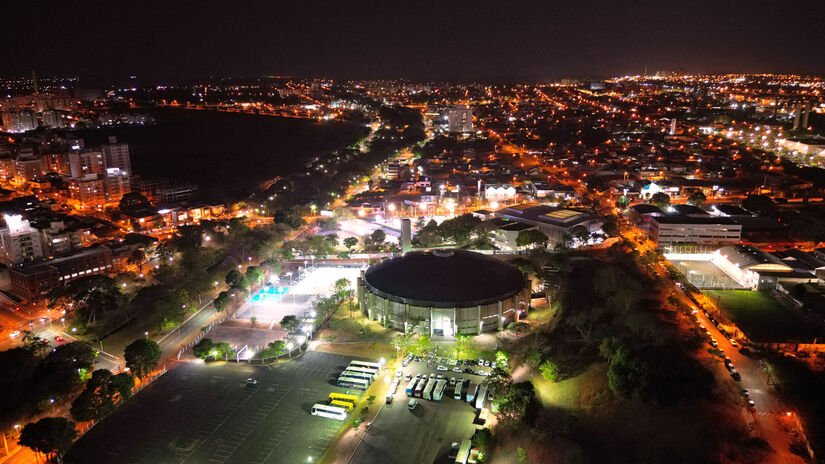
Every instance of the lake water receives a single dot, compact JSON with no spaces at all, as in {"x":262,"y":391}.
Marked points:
{"x":226,"y":154}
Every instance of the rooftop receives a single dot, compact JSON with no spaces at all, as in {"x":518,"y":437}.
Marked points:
{"x":444,"y":278}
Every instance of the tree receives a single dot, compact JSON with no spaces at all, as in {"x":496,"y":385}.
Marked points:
{"x":50,"y":435}
{"x":342,"y":288}
{"x":233,"y":278}
{"x":515,"y":405}
{"x":202,"y":349}
{"x":132,"y":202}
{"x":660,"y":200}
{"x":550,"y":371}
{"x":531,"y":238}
{"x":123,"y":383}
{"x":142,"y":356}
{"x":532,"y":357}
{"x":222,"y":350}
{"x":428,"y":235}
{"x":622,"y":202}
{"x":290,"y":323}
{"x":350,"y":243}
{"x":483,"y":438}
{"x":403,"y":342}
{"x":221,"y":302}
{"x":32,"y":342}
{"x":102,"y":393}
{"x":697,"y":198}
{"x":63,"y":369}
{"x":759,"y":204}
{"x":274,"y":349}
{"x":255,"y":274}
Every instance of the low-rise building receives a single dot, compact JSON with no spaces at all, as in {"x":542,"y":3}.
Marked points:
{"x":34,"y":281}
{"x":670,"y":230}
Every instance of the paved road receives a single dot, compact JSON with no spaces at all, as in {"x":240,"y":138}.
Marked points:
{"x":769,"y":415}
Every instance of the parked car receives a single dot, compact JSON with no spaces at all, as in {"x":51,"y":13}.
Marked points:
{"x":58,"y":339}
{"x":487,"y":363}
{"x":412,"y":404}
{"x":441,"y":368}
{"x":452,"y":381}
{"x":733,"y":343}
{"x":751,"y":405}
{"x":736,"y":376}
{"x":457,"y":370}
{"x":480,"y":362}
{"x":251,"y":381}
{"x":399,"y":373}
{"x":408,"y":377}
{"x":467,"y":370}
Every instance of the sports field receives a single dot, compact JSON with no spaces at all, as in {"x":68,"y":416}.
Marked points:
{"x":762,"y":318}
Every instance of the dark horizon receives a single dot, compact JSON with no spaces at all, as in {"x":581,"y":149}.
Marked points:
{"x":458,"y":41}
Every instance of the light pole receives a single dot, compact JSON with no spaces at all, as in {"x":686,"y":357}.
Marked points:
{"x":289,"y":349}
{"x":147,"y":334}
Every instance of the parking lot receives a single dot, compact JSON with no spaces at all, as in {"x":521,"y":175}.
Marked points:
{"x":425,"y":434}
{"x":200,"y":413}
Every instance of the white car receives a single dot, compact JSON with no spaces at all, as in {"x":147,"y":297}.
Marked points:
{"x":441,"y":368}
{"x":251,"y":381}
{"x":399,"y":373}
{"x":457,"y":370}
{"x":412,"y":404}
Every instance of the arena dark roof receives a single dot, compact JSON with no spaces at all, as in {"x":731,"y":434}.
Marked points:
{"x":444,"y":278}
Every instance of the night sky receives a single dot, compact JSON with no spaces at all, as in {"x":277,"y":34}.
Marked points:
{"x":412,"y":39}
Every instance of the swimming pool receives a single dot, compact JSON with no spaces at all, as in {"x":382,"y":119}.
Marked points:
{"x":269,"y":294}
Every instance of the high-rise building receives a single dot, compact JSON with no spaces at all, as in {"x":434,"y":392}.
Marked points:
{"x":19,"y":121}
{"x":28,"y":167}
{"x":82,"y":163}
{"x":460,"y":119}
{"x":52,"y":119}
{"x":19,"y":240}
{"x":88,"y":190}
{"x":117,"y":155}
{"x":116,"y":184}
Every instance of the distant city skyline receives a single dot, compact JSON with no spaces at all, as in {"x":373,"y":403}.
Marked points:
{"x":430,"y":40}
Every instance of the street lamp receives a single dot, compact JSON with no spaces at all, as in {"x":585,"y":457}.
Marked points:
{"x":147,"y":334}
{"x":51,"y":400}
{"x":289,"y":349}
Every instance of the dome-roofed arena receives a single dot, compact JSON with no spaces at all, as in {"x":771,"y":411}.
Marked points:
{"x":447,"y":292}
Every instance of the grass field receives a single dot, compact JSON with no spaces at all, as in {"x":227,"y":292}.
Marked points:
{"x":761,"y":317}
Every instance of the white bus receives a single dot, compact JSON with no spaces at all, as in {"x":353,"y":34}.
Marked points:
{"x":411,"y":387}
{"x":482,"y":395}
{"x":330,"y":412}
{"x":463,"y":452}
{"x":376,"y":366}
{"x":419,"y":387}
{"x":438,"y":392}
{"x":428,"y":390}
{"x":458,"y":385}
{"x":392,"y":390}
{"x":358,"y":375}
{"x":471,"y":392}
{"x":364,"y":370}
{"x":350,"y":382}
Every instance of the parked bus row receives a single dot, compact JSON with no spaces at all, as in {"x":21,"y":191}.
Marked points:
{"x":431,"y":388}
{"x":339,"y":406}
{"x":359,"y":375}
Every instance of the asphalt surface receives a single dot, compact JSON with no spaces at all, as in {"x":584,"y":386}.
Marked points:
{"x":201,"y":413}
{"x":424,"y":435}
